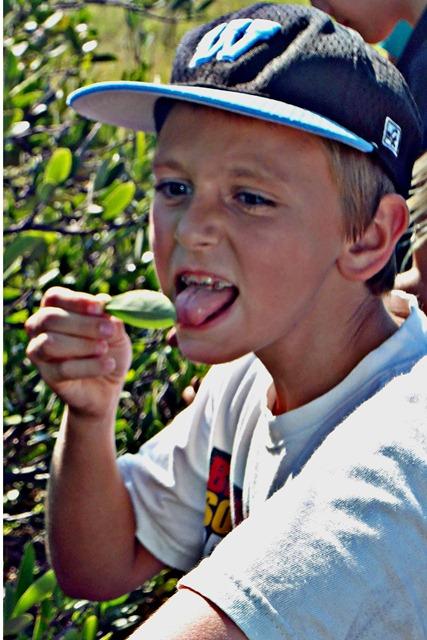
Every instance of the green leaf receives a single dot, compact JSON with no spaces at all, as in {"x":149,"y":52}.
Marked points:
{"x":113,"y":603}
{"x":90,"y":628}
{"x":19,"y":129}
{"x":170,"y":585}
{"x":11,"y":293}
{"x":45,"y":191}
{"x":10,"y":63}
{"x":53,"y":20}
{"x":24,"y":100}
{"x":23,"y":244}
{"x":143,"y":308}
{"x":26,"y":570}
{"x":12,"y":421}
{"x":140,"y":164}
{"x":14,"y":267}
{"x":9,"y":601}
{"x":19,"y":317}
{"x":47,"y":607}
{"x":40,"y":589}
{"x":17,"y":624}
{"x":40,"y":627}
{"x":139,"y":245}
{"x":58,"y":167}
{"x":47,"y":277}
{"x":107,"y":173}
{"x":101,"y":175}
{"x":72,"y":634}
{"x":141,"y":145}
{"x":117,"y":201}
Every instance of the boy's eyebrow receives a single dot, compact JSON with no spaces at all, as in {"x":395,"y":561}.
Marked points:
{"x":260,"y":171}
{"x":165,"y":162}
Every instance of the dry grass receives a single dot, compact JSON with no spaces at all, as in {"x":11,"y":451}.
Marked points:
{"x":116,"y":37}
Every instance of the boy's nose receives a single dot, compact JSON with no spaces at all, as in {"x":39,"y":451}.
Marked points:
{"x":199,"y":226}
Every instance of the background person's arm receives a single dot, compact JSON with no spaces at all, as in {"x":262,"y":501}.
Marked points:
{"x":415,"y":279}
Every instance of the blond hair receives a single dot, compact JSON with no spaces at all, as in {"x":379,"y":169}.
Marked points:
{"x":361,"y":183}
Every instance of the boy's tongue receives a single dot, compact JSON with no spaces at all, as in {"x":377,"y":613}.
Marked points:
{"x":196,"y":303}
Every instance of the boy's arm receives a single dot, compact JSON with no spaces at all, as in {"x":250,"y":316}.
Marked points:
{"x":91,"y":525}
{"x":189,"y":616}
{"x":83,"y":355}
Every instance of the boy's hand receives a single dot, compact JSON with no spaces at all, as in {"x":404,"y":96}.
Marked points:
{"x":81,"y":353}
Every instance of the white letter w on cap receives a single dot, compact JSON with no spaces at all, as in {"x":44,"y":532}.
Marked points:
{"x":228,"y":41}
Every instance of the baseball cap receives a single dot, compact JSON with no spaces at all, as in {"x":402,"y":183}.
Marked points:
{"x":288,"y":64}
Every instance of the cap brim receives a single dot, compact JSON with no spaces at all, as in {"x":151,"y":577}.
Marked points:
{"x":131,"y":105}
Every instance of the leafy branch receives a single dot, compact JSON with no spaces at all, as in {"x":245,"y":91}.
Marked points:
{"x":70,"y":230}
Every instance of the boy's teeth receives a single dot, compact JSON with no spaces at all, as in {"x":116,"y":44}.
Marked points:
{"x":205,"y":281}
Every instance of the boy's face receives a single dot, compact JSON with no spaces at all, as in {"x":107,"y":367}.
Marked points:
{"x":374,"y":19}
{"x":246,"y":230}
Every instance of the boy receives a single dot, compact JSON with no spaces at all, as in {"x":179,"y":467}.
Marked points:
{"x":298,"y":473}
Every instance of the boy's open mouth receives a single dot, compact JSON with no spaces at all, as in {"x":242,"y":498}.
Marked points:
{"x":202,"y":298}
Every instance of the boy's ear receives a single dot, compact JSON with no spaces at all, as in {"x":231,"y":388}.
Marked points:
{"x":363,"y":258}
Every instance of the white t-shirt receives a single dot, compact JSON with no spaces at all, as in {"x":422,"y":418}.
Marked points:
{"x":320,"y":513}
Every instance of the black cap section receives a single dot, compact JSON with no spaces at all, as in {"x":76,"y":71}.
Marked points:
{"x":316,"y":64}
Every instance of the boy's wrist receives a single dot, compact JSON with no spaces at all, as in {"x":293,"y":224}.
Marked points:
{"x":76,"y":418}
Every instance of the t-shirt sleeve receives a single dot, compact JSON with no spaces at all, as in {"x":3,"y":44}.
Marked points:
{"x":339,"y":551}
{"x":166,"y":480}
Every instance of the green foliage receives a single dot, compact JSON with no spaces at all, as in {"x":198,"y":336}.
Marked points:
{"x":58,"y":167}
{"x":117,"y":200}
{"x":76,"y":199}
{"x":42,"y":611}
{"x":38,"y":591}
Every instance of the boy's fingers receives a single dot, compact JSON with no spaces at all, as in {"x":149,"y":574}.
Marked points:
{"x":56,"y":346}
{"x":57,"y":372}
{"x":58,"y":320}
{"x":74,"y":301}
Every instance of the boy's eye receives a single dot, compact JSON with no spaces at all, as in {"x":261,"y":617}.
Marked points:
{"x":250,"y":199}
{"x":173,"y":189}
